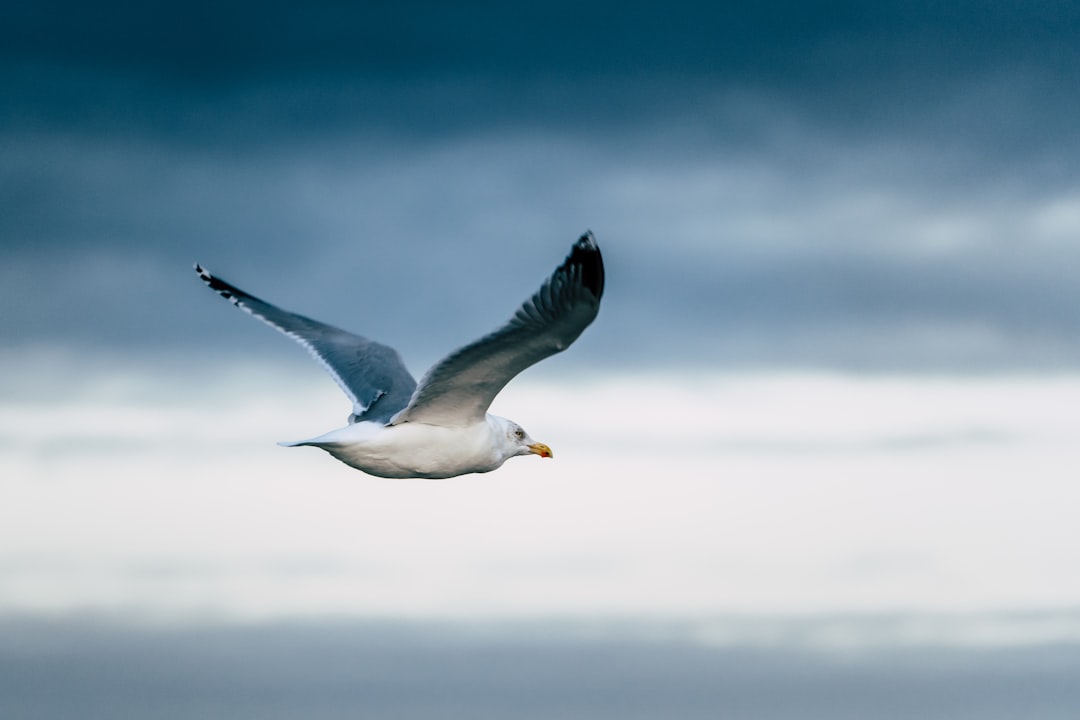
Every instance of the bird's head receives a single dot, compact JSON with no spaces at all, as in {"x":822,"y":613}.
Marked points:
{"x":517,"y":441}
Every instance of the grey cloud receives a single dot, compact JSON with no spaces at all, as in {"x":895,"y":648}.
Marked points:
{"x":328,"y":670}
{"x":201,"y":37}
{"x":750,"y":265}
{"x":838,"y":185}
{"x":208,"y":71}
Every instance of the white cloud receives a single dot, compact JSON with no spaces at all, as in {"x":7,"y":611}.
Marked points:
{"x":694,"y":496}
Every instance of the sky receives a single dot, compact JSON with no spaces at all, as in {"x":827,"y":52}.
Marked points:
{"x":824,"y":185}
{"x":832,"y":377}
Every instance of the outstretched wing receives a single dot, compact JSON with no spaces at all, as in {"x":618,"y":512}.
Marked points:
{"x":371,"y":374}
{"x":459,"y":389}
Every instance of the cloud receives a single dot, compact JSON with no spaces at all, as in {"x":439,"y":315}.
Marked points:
{"x":97,"y":669}
{"x":670,"y":496}
{"x":847,"y":187}
{"x":255,"y":73}
{"x":743,"y":263}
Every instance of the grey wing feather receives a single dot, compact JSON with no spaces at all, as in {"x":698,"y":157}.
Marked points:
{"x":371,"y":374}
{"x":459,"y":389}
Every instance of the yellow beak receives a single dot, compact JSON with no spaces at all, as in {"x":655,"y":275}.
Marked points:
{"x":541,"y":449}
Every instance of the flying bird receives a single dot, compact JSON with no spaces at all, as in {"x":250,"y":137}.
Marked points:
{"x":439,"y":427}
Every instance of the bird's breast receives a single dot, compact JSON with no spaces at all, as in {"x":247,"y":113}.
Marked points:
{"x":415,"y":450}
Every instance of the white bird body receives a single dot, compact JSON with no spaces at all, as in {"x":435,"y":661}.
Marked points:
{"x":439,"y":427}
{"x":420,"y":450}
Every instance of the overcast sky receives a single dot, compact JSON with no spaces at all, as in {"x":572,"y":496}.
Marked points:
{"x":781,"y":189}
{"x":841,"y":185}
{"x":786,"y":194}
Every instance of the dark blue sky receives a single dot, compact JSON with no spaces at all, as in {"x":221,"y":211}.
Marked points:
{"x":851,"y":185}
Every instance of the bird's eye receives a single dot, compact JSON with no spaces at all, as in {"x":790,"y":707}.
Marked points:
{"x":520,"y":434}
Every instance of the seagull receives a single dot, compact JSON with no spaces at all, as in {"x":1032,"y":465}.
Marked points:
{"x":439,"y":427}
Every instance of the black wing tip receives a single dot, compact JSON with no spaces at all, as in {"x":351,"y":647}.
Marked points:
{"x":586,"y":255}
{"x":205,"y":275}
{"x":219,"y":286}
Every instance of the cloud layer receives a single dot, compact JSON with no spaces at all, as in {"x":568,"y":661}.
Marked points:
{"x":841,"y":186}
{"x":331,"y":670}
